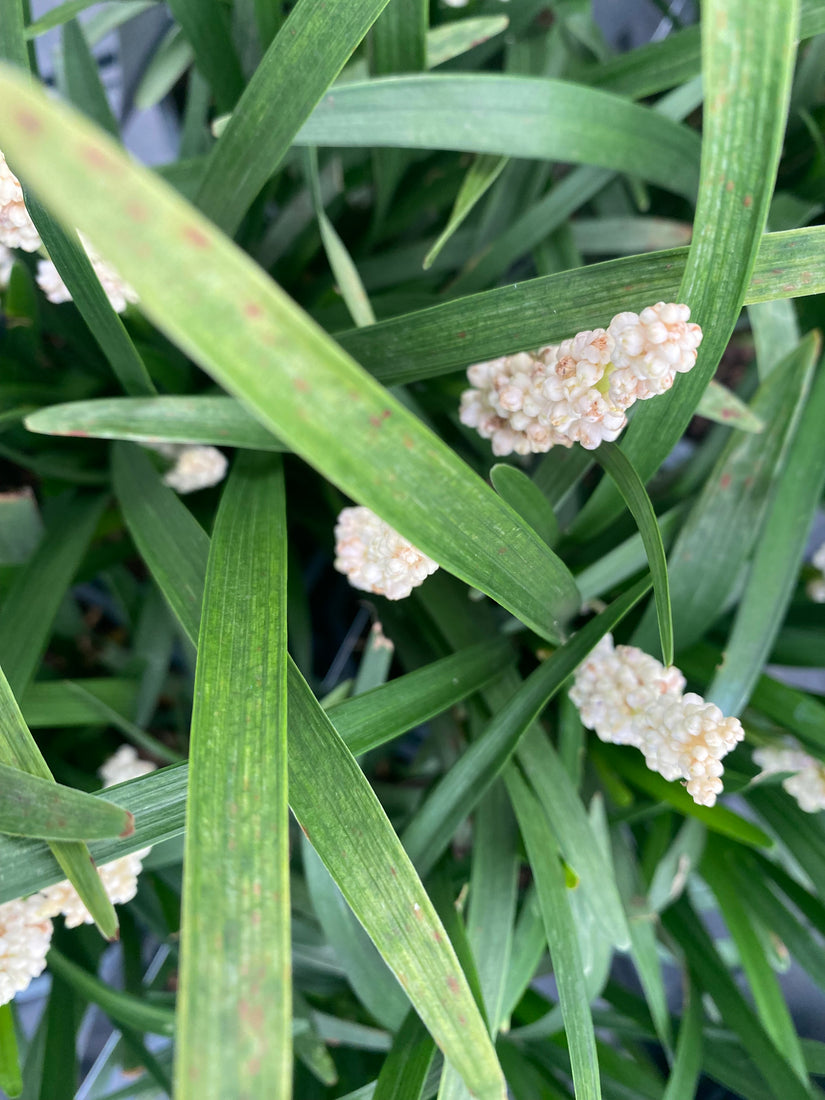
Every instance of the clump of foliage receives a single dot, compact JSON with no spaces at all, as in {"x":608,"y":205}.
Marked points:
{"x":372,"y":196}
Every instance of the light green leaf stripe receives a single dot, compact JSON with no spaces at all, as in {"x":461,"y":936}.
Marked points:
{"x":238,"y":325}
{"x":31,"y":805}
{"x":221,"y":421}
{"x":11,"y":1080}
{"x":514,"y":318}
{"x":720,"y":404}
{"x":747,"y":65}
{"x":234,"y":1001}
{"x":307,"y":54}
{"x":508,"y":116}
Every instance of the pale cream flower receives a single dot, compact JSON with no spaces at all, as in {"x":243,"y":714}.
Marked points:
{"x":629,"y":698}
{"x":375,"y":558}
{"x":25,"y":936}
{"x":119,"y":293}
{"x":17,"y":230}
{"x":815,"y":587}
{"x":579,"y":391}
{"x":6,"y":264}
{"x":120,"y":876}
{"x":196,"y":466}
{"x":806,"y":784}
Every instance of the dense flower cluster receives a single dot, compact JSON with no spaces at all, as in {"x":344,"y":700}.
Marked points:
{"x":580,"y":391}
{"x":196,"y":466}
{"x":816,"y":585}
{"x":629,"y":698}
{"x":376,"y":558}
{"x":16,"y":227}
{"x":25,"y":936}
{"x":118,"y":292}
{"x":120,"y":877}
{"x":806,"y":783}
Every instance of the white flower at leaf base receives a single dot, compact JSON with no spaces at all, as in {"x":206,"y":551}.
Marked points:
{"x":196,"y":466}
{"x":25,"y":936}
{"x":119,"y":293}
{"x":806,"y":784}
{"x":579,"y":391}
{"x":629,"y":698}
{"x":375,"y":558}
{"x":815,"y":587}
{"x":16,"y":227}
{"x":120,"y":877}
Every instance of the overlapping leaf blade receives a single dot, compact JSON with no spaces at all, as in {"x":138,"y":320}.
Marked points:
{"x":289,"y":373}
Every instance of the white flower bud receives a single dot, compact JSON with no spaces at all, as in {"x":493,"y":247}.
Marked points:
{"x":815,"y":588}
{"x":118,"y":292}
{"x":25,"y":936}
{"x":120,"y":876}
{"x":196,"y":466}
{"x":806,"y":784}
{"x":16,"y":227}
{"x":629,"y":698}
{"x":651,"y":348}
{"x":375,"y":558}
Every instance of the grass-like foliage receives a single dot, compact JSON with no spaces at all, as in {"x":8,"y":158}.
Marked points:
{"x":398,"y":839}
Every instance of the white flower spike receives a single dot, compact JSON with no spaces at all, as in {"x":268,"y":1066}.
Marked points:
{"x":375,"y":558}
{"x":120,"y":877}
{"x":16,"y":227}
{"x":579,"y":391}
{"x":25,"y":936}
{"x":806,"y":784}
{"x":6,"y":264}
{"x":815,"y":587}
{"x":629,"y":698}
{"x":197,"y":466}
{"x":119,"y":293}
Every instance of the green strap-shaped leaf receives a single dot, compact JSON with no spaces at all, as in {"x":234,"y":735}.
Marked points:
{"x":405,"y":1068}
{"x":630,"y":485}
{"x":34,"y":597}
{"x":18,"y":749}
{"x":513,"y":318}
{"x":295,"y":379}
{"x":206,"y":24}
{"x":561,"y":935}
{"x":11,"y":1081}
{"x":82,"y":76}
{"x":508,"y":116}
{"x":776,"y":561}
{"x":53,"y":703}
{"x":687,"y":1065}
{"x":332,"y":800}
{"x":747,"y":65}
{"x":34,"y":806}
{"x":685,"y":925}
{"x":481,"y":175}
{"x":234,"y":1000}
{"x":307,"y":54}
{"x":723,"y":525}
{"x":218,"y":420}
{"x":720,"y":404}
{"x":767,"y":993}
{"x":527,"y":499}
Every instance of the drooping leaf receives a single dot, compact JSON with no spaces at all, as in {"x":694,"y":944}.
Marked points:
{"x":31,"y":805}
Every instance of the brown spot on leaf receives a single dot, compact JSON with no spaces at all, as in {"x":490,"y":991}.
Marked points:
{"x":252,"y":309}
{"x":724,"y":481}
{"x":195,"y":237}
{"x":137,"y":211}
{"x":452,"y":984}
{"x":98,"y":159}
{"x":729,"y":185}
{"x":748,"y":200}
{"x":462,"y":335}
{"x":29,"y":122}
{"x":408,"y":443}
{"x":130,"y":825}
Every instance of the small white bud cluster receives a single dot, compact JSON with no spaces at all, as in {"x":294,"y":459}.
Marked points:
{"x":580,"y":391}
{"x":375,"y":558}
{"x":117,"y":291}
{"x":196,"y":466}
{"x":806,"y":784}
{"x":629,"y":698}
{"x":6,"y":264}
{"x":816,"y":585}
{"x":16,"y":227}
{"x":120,"y":877}
{"x":25,"y":936}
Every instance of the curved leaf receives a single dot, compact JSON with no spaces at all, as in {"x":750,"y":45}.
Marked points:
{"x":31,"y":805}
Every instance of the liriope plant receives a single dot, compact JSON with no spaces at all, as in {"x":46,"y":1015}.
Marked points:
{"x":358,"y":538}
